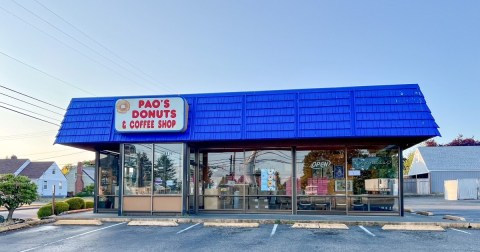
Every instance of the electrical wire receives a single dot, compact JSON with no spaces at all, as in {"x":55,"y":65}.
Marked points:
{"x":29,"y":115}
{"x":30,"y":103}
{"x":1,"y":86}
{"x":78,"y":41}
{"x":60,"y":156}
{"x":104,"y":47}
{"x":13,"y":106}
{"x":47,"y":74}
{"x":29,"y":134}
{"x":40,"y":153}
{"x":74,"y":49}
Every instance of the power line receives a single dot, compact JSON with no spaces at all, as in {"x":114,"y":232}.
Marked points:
{"x":30,"y":103}
{"x":78,"y":41}
{"x":31,"y":97}
{"x":29,"y":134}
{"x":104,"y":47}
{"x":60,"y":156}
{"x":29,"y":115}
{"x":39,"y":153}
{"x":49,"y":75}
{"x":76,"y":50}
{"x":28,"y":137}
{"x":13,"y":106}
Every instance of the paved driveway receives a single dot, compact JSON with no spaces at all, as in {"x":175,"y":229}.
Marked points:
{"x":469,"y":209}
{"x":196,"y":237}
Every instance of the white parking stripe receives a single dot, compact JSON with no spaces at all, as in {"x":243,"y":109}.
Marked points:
{"x":181,"y":231}
{"x":273,"y":230}
{"x":71,"y":237}
{"x":366,"y":230}
{"x":460,"y":231}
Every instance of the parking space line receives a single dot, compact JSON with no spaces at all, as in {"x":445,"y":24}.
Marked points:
{"x":71,"y":237}
{"x":181,"y":231}
{"x":273,"y":230}
{"x":366,"y":230}
{"x":458,"y":230}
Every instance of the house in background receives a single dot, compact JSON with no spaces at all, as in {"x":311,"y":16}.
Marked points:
{"x":44,"y":174}
{"x":79,"y":177}
{"x":434,"y":165}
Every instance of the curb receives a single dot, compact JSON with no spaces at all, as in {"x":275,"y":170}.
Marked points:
{"x":77,"y":211}
{"x":424,"y":213}
{"x":413,"y":228}
{"x":25,"y":225}
{"x":79,"y":222}
{"x":455,"y":218}
{"x":465,"y":225}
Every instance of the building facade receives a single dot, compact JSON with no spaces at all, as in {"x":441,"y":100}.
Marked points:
{"x":311,"y":151}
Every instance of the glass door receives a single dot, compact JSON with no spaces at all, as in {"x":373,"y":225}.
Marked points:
{"x":108,"y":181}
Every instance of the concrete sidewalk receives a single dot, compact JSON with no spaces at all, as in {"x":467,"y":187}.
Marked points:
{"x":408,"y":219}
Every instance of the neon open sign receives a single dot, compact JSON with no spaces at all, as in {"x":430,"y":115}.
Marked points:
{"x":320,"y":164}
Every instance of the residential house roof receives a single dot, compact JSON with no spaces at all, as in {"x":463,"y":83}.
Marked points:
{"x":11,"y":165}
{"x":447,"y":158}
{"x":35,"y":170}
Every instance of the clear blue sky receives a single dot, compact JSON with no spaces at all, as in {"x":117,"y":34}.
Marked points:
{"x":217,"y":46}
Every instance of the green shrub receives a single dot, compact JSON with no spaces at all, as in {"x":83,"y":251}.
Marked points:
{"x":46,"y":210}
{"x":76,"y":203}
{"x":88,"y":204}
{"x":61,"y":207}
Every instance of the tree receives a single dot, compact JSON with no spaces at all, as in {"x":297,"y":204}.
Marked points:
{"x":13,"y":156}
{"x":407,"y":163}
{"x":16,"y":191}
{"x":458,"y":141}
{"x":164,"y":169}
{"x":431,"y":143}
{"x":66,"y":169}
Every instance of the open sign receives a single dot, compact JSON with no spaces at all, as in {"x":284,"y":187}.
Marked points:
{"x":319,"y":164}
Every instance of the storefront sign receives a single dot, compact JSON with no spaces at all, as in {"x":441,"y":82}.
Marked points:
{"x":151,"y":115}
{"x":268,"y":180}
{"x":369,"y":162}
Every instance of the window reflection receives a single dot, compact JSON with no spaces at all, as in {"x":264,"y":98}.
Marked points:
{"x":254,"y":180}
{"x":138,"y":169}
{"x":167,"y":169}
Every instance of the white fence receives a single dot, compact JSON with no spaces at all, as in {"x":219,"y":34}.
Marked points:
{"x":416,"y":186}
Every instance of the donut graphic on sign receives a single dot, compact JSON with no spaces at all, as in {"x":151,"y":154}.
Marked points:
{"x":123,"y":106}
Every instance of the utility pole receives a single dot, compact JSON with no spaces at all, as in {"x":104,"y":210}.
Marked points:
{"x":53,"y":200}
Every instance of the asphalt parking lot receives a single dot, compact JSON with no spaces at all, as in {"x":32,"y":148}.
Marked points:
{"x":271,"y":237}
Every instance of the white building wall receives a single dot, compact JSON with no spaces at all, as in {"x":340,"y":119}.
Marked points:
{"x":51,"y":180}
{"x":438,"y":178}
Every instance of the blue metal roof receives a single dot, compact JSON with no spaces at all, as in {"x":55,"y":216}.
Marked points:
{"x":354,"y":112}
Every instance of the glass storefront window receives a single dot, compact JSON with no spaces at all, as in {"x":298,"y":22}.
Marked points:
{"x":138,"y":169}
{"x":221,"y":180}
{"x":167,"y":169}
{"x":321,"y":180}
{"x":373,"y":173}
{"x":254,"y":180}
{"x":268,"y":176}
